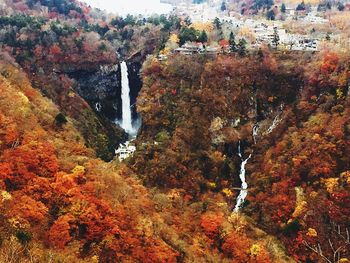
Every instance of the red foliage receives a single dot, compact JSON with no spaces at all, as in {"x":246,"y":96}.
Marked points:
{"x":211,"y":223}
{"x":8,"y":131}
{"x":55,"y":50}
{"x":330,"y":63}
{"x":159,"y":252}
{"x":224,"y":43}
{"x":339,"y":206}
{"x":27,"y":208}
{"x":28,"y":161}
{"x":59,"y":233}
{"x":236,"y":245}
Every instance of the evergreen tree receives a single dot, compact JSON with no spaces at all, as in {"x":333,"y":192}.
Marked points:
{"x":283,"y":8}
{"x":217,"y":23}
{"x":270,"y":15}
{"x":232,"y":42}
{"x":301,"y":6}
{"x":276,"y":38}
{"x":188,"y":34}
{"x":341,"y":6}
{"x":203,"y":37}
{"x":262,"y":4}
{"x":188,"y":21}
{"x":241,"y":48}
{"x":223,"y":6}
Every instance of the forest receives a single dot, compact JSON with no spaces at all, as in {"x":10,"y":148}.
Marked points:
{"x":65,"y":196}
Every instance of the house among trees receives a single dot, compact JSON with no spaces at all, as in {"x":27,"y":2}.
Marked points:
{"x":290,"y":11}
{"x":191,"y":48}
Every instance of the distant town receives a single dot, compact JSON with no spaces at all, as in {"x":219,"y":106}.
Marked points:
{"x":298,"y":27}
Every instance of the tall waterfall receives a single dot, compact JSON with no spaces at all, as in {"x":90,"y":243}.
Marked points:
{"x":126,"y":122}
{"x":125,"y":150}
{"x":244,"y":186}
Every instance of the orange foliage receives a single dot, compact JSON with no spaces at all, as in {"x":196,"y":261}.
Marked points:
{"x":224,"y":43}
{"x":330,"y":63}
{"x":211,"y":223}
{"x":28,"y":161}
{"x":236,"y":245}
{"x":27,"y":208}
{"x":59,"y":233}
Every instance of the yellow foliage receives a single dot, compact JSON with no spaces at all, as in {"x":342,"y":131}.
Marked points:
{"x":255,"y":249}
{"x":212,"y":185}
{"x":95,"y":259}
{"x":79,"y":170}
{"x":18,"y":223}
{"x":246,"y":33}
{"x":174,"y":38}
{"x":331,"y":184}
{"x":313,"y":194}
{"x":301,"y":204}
{"x":145,"y":226}
{"x":343,"y":260}
{"x":311,"y":232}
{"x":165,"y":51}
{"x":216,"y":124}
{"x":5,"y":196}
{"x":227,"y":192}
{"x":346,"y":177}
{"x":340,"y":94}
{"x":299,"y":209}
{"x":208,"y":27}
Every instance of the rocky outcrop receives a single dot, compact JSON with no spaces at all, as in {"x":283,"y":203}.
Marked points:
{"x":102,"y":89}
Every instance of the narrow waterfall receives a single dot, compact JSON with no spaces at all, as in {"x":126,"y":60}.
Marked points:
{"x":276,"y":120}
{"x":126,"y":149}
{"x":126,"y":122}
{"x":244,"y":186}
{"x":239,"y":150}
{"x":255,"y":132}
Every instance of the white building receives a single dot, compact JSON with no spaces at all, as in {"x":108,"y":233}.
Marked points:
{"x":125,"y":151}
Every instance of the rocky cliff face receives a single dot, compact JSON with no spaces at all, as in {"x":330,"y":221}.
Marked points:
{"x":135,"y":83}
{"x":102,"y":88}
{"x":82,"y":100}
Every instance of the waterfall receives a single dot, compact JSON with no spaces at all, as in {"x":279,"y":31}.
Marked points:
{"x":244,"y":186}
{"x":126,"y":149}
{"x":239,"y":150}
{"x":255,"y":132}
{"x":276,"y":120}
{"x":126,"y":122}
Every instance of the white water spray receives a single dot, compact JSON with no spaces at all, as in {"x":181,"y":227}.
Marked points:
{"x":244,"y":186}
{"x":276,"y":121}
{"x":239,"y":150}
{"x":126,"y":122}
{"x":126,"y":149}
{"x":255,"y":132}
